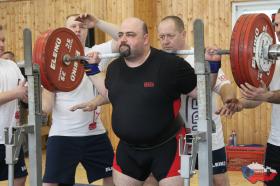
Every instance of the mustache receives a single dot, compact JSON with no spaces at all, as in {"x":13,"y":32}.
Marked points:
{"x":124,"y":50}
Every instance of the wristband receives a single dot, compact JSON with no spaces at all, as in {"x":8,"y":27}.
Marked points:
{"x":91,"y":69}
{"x":214,"y":66}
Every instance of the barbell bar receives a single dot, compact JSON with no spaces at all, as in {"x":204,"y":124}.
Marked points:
{"x":67,"y":58}
{"x":253,"y":52}
{"x":273,"y":53}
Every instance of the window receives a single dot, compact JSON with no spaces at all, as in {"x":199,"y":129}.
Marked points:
{"x":264,"y":6}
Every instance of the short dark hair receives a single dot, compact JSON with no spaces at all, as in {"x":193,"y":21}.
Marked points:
{"x":278,"y":11}
{"x":145,"y":28}
{"x":179,"y":23}
{"x":9,"y":52}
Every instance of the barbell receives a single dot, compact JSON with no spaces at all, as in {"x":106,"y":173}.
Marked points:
{"x":253,"y":53}
{"x":67,"y":58}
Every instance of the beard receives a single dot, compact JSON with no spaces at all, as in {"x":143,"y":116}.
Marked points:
{"x":124,"y":50}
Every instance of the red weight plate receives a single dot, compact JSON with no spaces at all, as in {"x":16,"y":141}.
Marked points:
{"x":54,"y":45}
{"x":60,"y":42}
{"x":234,"y":50}
{"x":37,"y":58}
{"x":258,"y":24}
{"x":242,"y":60}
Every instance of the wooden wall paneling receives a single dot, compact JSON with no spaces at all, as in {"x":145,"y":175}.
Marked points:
{"x":146,"y":11}
{"x":188,"y":15}
{"x":21,"y":19}
{"x":117,"y":10}
{"x":45,"y":17}
{"x":159,"y":15}
{"x":6,"y":18}
{"x":227,"y":122}
{"x":266,"y":121}
{"x":257,"y":127}
{"x":106,"y":113}
{"x":98,"y":8}
{"x":16,"y":16}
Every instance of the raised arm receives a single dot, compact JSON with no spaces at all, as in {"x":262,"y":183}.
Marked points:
{"x":109,"y":28}
{"x":92,"y":21}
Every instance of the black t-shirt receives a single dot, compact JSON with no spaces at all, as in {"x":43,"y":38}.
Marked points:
{"x":146,"y":99}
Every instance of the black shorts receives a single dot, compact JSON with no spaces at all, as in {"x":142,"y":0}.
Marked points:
{"x":219,"y":162}
{"x":272,"y":160}
{"x":20,"y":168}
{"x":162,"y":161}
{"x":64,"y":153}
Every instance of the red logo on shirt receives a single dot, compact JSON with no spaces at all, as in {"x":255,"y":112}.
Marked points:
{"x":92,"y":126}
{"x":17,"y":115}
{"x":149,"y":84}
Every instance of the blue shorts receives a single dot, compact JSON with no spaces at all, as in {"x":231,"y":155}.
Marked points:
{"x":64,"y":153}
{"x":20,"y":168}
{"x":219,"y":162}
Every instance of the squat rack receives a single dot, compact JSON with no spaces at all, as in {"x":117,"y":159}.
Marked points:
{"x":14,"y":135}
{"x":201,"y":140}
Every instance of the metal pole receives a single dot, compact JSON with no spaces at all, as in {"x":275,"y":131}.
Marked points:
{"x":9,"y":156}
{"x":204,"y":106}
{"x":34,"y":107}
{"x":11,"y":169}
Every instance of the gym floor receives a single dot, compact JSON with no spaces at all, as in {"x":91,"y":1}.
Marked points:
{"x":236,"y":178}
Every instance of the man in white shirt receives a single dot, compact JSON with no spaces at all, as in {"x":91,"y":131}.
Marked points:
{"x":79,"y":137}
{"x":12,"y":88}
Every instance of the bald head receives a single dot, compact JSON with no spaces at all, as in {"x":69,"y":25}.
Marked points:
{"x":172,"y":34}
{"x":133,"y":39}
{"x":136,"y":23}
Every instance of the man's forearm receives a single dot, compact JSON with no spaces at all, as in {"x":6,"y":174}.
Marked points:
{"x":8,"y":96}
{"x":273,"y":97}
{"x":108,"y":28}
{"x":249,"y":103}
{"x":100,"y":100}
{"x":98,"y":81}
